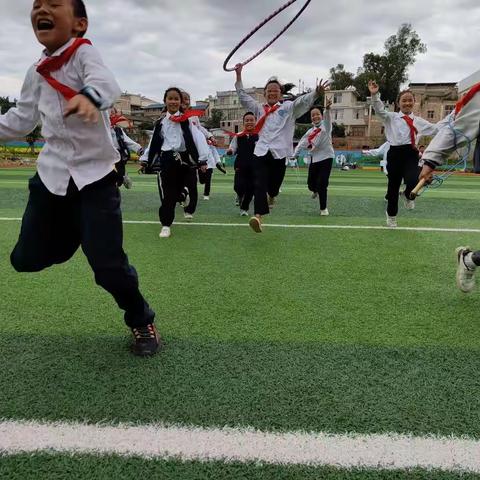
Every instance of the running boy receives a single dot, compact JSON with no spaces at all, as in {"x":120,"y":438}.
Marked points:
{"x":74,"y":200}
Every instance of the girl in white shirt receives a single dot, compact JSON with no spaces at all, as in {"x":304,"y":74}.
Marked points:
{"x":318,"y":142}
{"x":402,"y":130}
{"x":275,"y":129}
{"x":177,"y":148}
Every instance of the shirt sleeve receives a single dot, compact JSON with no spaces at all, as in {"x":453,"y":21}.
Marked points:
{"x":426,"y":128}
{"x":248,"y":102}
{"x":19,"y":121}
{"x":131,"y":144}
{"x":97,"y":76}
{"x":379,"y":108}
{"x":302,"y":104}
{"x":201,"y":143}
{"x":234,"y":145}
{"x":327,"y":121}
{"x":303,"y":143}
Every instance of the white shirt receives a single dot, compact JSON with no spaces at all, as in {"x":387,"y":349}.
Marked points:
{"x":276,"y":135}
{"x":73,"y":149}
{"x":381,"y":151}
{"x":322,"y":147}
{"x":131,"y":144}
{"x":213,"y":156}
{"x":172,"y":135}
{"x":397,"y":130}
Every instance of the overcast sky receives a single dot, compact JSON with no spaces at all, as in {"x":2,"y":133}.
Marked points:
{"x":153,"y":44}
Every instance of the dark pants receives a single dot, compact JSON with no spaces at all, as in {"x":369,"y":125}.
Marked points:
{"x":170,"y":181}
{"x":206,"y":180}
{"x":190,"y":181}
{"x":269,"y":173}
{"x":318,"y":179}
{"x":120,"y":168}
{"x":243,"y":184}
{"x":476,"y":258}
{"x":402,"y":165}
{"x":54,"y":226}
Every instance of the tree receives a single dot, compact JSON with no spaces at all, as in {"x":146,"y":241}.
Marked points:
{"x":338,"y":130}
{"x":32,"y":137}
{"x":340,"y":79}
{"x":216,"y":116}
{"x":389,"y":69}
{"x":5,"y":104}
{"x":300,"y":130}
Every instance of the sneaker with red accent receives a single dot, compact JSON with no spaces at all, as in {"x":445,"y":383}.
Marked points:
{"x":146,"y":340}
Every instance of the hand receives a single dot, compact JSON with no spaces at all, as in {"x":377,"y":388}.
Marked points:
{"x":83,"y":107}
{"x":203,"y":168}
{"x":322,"y":86}
{"x":328,"y":104}
{"x":426,"y":174}
{"x":212,"y":141}
{"x":238,"y":71}
{"x":373,"y":87}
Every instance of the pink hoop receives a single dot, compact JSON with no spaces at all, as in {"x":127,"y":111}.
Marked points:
{"x":258,"y":27}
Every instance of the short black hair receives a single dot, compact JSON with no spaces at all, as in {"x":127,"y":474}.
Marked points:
{"x":249,"y":113}
{"x":79,"y":9}
{"x":317,"y":107}
{"x":276,"y":82}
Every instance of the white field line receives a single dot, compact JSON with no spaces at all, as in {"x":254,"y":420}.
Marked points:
{"x":389,"y":451}
{"x":312,"y":227}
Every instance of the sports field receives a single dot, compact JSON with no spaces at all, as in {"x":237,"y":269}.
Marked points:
{"x":316,"y":326}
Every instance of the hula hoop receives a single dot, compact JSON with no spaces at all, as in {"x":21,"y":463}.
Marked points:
{"x":257,"y":28}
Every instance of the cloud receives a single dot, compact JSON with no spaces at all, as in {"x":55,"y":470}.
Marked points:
{"x":153,"y":44}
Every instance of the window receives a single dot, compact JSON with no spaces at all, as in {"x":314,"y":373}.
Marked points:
{"x":236,"y":128}
{"x":430,"y":114}
{"x":340,"y":115}
{"x":448,"y":109}
{"x":357,"y":114}
{"x":337,"y":98}
{"x":228,"y":124}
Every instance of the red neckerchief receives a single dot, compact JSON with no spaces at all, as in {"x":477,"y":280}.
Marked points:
{"x":413,"y":129}
{"x":468,"y":96}
{"x":261,"y":121}
{"x":187,"y":115}
{"x":312,"y":136}
{"x":117,"y":118}
{"x":52,"y":64}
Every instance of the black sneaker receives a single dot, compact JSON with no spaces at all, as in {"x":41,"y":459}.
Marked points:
{"x":146,"y":340}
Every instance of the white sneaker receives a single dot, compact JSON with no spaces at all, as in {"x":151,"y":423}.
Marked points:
{"x":244,"y":213}
{"x":324,"y":213}
{"x":255,"y":224}
{"x":188,"y":216}
{"x":409,"y":204}
{"x":391,"y":221}
{"x":165,"y":232}
{"x":206,"y":197}
{"x":465,"y":276}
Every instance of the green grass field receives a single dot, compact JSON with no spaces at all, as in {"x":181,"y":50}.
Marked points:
{"x":319,"y":330}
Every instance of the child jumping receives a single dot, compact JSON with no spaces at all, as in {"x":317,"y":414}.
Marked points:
{"x":318,"y":141}
{"x":275,"y":128}
{"x":401,"y":129}
{"x":74,"y":199}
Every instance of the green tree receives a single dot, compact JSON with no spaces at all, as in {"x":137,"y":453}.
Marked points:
{"x":6,"y":104}
{"x":338,"y":130}
{"x":216,"y":116}
{"x":340,"y":79}
{"x":300,"y":130}
{"x":32,"y":137}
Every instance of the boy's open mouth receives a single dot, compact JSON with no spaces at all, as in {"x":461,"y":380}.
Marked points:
{"x":44,"y":24}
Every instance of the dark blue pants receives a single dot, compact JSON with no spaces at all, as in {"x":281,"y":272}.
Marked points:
{"x":53,"y":227}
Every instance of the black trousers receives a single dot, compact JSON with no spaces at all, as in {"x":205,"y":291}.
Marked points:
{"x":269,"y":173}
{"x":318,"y":179}
{"x":190,"y":180}
{"x":476,"y":258}
{"x":54,"y":226}
{"x":402,"y":165}
{"x":206,"y":180}
{"x":243,"y":184}
{"x":170,"y":181}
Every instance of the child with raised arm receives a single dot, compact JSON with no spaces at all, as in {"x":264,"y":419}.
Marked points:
{"x":402,"y":130}
{"x":463,"y":127}
{"x":318,"y":141}
{"x":275,"y":128}
{"x":74,"y":199}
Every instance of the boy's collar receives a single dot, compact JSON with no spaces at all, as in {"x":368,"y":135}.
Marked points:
{"x":59,"y":51}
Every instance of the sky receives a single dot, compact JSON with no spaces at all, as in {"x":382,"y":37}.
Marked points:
{"x":151,"y":45}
